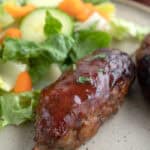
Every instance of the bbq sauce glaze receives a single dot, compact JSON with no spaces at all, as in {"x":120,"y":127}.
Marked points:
{"x":73,"y":97}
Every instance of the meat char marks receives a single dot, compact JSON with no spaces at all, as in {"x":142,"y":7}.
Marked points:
{"x":72,"y":109}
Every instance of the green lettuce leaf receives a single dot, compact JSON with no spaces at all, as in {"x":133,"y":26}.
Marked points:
{"x":16,"y":109}
{"x":19,"y":50}
{"x":87,"y":41}
{"x":55,"y":48}
{"x":52,"y":25}
{"x":121,"y":29}
{"x":38,"y":56}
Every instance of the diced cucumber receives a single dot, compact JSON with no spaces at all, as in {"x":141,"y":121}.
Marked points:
{"x":8,"y":74}
{"x":5,"y":18}
{"x":45,"y":3}
{"x":32,"y":26}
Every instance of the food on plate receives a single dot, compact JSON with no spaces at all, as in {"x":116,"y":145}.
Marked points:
{"x":39,"y":40}
{"x":143,"y":66}
{"x":18,"y":11}
{"x":29,"y":27}
{"x":72,"y":109}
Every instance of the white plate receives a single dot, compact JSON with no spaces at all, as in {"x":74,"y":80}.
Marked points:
{"x":128,"y":130}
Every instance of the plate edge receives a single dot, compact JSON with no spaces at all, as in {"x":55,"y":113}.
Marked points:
{"x":134,"y":4}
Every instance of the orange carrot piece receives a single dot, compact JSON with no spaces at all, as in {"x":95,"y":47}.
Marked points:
{"x":90,"y":6}
{"x":81,"y":10}
{"x":18,"y":11}
{"x":77,"y":9}
{"x":13,"y":33}
{"x":86,"y":12}
{"x":82,"y":16}
{"x":23,"y":83}
{"x":10,"y":32}
{"x":72,"y":7}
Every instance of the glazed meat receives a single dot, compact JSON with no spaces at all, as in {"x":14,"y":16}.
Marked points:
{"x":143,"y":66}
{"x":73,"y":108}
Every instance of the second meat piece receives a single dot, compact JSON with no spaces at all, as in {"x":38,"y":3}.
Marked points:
{"x":72,"y":109}
{"x":143,"y":66}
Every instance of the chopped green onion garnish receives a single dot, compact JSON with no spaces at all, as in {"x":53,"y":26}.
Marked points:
{"x":101,"y":70}
{"x":83,"y":79}
{"x":100,"y":56}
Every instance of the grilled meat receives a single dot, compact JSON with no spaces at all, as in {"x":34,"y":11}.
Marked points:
{"x":143,"y":66}
{"x":72,"y":109}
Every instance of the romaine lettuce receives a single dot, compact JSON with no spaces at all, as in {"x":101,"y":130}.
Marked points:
{"x":121,"y":28}
{"x":38,"y":56}
{"x":87,"y":41}
{"x":17,"y":108}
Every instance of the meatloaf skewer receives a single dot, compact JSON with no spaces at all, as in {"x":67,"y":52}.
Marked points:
{"x":143,"y":66}
{"x":72,"y":109}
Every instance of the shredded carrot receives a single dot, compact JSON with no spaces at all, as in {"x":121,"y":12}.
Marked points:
{"x":18,"y":11}
{"x":82,"y":11}
{"x":84,"y":15}
{"x":23,"y":83}
{"x":72,"y":7}
{"x":10,"y":32}
{"x":90,"y":6}
{"x":13,"y":33}
{"x":77,"y":9}
{"x":86,"y":12}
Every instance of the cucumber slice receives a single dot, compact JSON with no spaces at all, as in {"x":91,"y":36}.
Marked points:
{"x":5,"y":18}
{"x":32,"y":26}
{"x":8,"y":74}
{"x":45,"y":3}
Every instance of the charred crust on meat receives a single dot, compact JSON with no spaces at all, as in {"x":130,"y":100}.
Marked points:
{"x":70,"y":113}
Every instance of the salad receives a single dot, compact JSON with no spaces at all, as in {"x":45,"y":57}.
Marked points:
{"x":41,"y":39}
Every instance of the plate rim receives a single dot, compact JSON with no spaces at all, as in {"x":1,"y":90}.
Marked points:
{"x":134,"y":4}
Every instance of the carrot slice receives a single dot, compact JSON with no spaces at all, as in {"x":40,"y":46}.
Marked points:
{"x":23,"y":83}
{"x":10,"y":32}
{"x":18,"y":11}
{"x":90,"y":6}
{"x":83,"y":15}
{"x":77,"y":9}
{"x":72,"y":7}
{"x":13,"y":33}
{"x":86,"y":12}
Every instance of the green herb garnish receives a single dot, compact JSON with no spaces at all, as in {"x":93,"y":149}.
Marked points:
{"x":100,"y":56}
{"x":83,"y":79}
{"x":101,"y":70}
